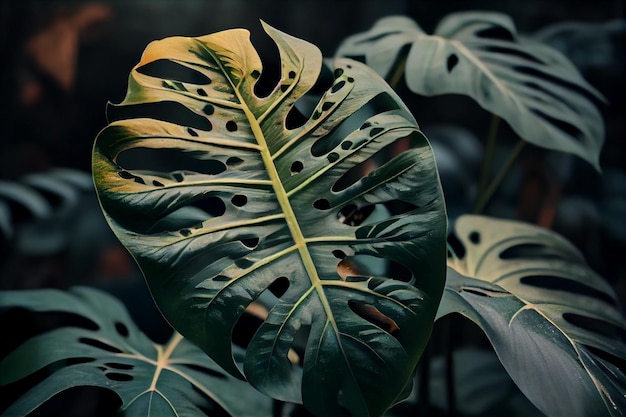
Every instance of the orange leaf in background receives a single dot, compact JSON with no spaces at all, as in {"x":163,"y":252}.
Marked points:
{"x":55,"y":49}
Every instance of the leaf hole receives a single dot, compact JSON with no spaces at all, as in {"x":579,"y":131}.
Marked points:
{"x":192,"y":132}
{"x":339,"y":254}
{"x":597,"y":326}
{"x":243,"y":263}
{"x":496,"y":32}
{"x":337,"y":86}
{"x":121,"y":329}
{"x":165,"y":68}
{"x":327,"y":105}
{"x":451,"y":62}
{"x":234,"y":161}
{"x":267,"y":80}
{"x":295,"y":118}
{"x":231,"y":126}
{"x":380,"y":103}
{"x":256,"y":312}
{"x":296,"y":167}
{"x":567,"y":128}
{"x":555,"y":283}
{"x":534,"y":251}
{"x":120,"y":366}
{"x":361,"y":266}
{"x":321,"y":204}
{"x":474,"y":237}
{"x":167,"y":111}
{"x":168,"y":160}
{"x":381,"y":157}
{"x":201,"y":92}
{"x":475,"y":292}
{"x":374,"y":316}
{"x":250,"y":243}
{"x":98,"y":345}
{"x":353,"y":215}
{"x":221,"y":278}
{"x":208,"y":109}
{"x":279,"y":287}
{"x":375,"y":131}
{"x":119,"y":377}
{"x":239,"y":200}
{"x":214,"y":206}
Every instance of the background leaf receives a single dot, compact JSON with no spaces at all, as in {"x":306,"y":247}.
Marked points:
{"x":175,"y":379}
{"x":554,"y":323}
{"x":284,"y":198}
{"x":479,"y":54}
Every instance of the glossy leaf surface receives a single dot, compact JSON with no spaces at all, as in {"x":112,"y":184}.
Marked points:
{"x":535,"y":88}
{"x":554,"y":323}
{"x":226,"y":197}
{"x":175,"y":379}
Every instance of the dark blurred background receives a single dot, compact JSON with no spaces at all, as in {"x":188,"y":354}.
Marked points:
{"x":62,"y":61}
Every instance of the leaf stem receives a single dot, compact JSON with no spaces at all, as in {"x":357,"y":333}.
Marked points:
{"x":486,"y":195}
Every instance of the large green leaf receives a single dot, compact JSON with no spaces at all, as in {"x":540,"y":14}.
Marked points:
{"x":174,"y":379}
{"x":244,"y":202}
{"x":554,"y":323}
{"x":532,"y":86}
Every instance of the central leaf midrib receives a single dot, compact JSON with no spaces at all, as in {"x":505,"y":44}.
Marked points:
{"x":283,"y":200}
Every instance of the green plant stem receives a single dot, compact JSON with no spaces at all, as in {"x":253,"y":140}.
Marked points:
{"x":485,"y":196}
{"x":489,"y":152}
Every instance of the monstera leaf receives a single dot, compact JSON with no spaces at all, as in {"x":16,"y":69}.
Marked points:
{"x":226,"y":196}
{"x":175,"y":379}
{"x":535,"y":88}
{"x":553,"y":322}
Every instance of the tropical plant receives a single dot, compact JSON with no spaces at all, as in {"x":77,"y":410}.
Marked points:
{"x":316,"y":206}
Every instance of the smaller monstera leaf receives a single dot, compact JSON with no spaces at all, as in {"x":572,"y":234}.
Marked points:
{"x":175,"y":379}
{"x":532,"y":86}
{"x":226,"y":197}
{"x":554,"y":323}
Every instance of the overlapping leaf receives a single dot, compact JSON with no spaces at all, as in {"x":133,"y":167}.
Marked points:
{"x":554,"y":323}
{"x":479,"y":54}
{"x":175,"y":379}
{"x":224,"y":196}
